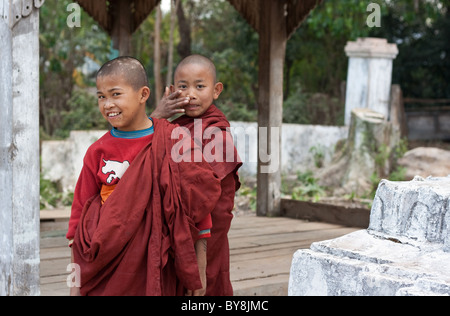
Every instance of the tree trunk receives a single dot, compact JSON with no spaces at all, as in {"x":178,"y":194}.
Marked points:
{"x":173,"y":14}
{"x":184,"y":47}
{"x":157,"y":56}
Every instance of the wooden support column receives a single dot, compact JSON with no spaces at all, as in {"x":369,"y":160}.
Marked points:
{"x":121,"y":27}
{"x":272,"y":50}
{"x":19,"y":147}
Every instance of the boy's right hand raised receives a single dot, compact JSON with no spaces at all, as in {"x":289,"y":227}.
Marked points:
{"x":170,"y":104}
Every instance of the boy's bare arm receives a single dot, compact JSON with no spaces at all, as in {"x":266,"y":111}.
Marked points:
{"x":170,"y":105}
{"x":201,"y":247}
{"x":74,"y":291}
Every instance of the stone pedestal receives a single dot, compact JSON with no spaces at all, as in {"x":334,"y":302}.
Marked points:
{"x":369,"y":75}
{"x":405,"y":250}
{"x":367,"y":151}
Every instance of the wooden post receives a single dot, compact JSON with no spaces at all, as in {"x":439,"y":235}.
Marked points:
{"x":272,"y":50}
{"x":19,"y":147}
{"x":121,"y":28}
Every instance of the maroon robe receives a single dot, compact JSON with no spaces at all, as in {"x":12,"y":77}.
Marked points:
{"x":218,"y":269}
{"x":141,"y":241}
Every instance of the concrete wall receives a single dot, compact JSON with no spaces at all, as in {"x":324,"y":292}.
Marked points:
{"x":62,"y":160}
{"x":428,"y":125}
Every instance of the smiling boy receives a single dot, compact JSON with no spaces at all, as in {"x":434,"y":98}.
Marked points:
{"x":196,"y":89}
{"x":134,"y":222}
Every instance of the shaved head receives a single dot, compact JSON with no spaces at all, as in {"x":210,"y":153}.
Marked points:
{"x":199,"y":60}
{"x":128,"y":68}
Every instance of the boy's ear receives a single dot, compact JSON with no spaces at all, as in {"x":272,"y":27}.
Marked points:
{"x":145,"y":94}
{"x":218,"y":88}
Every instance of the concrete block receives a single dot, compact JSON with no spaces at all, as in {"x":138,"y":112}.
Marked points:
{"x":405,"y":251}
{"x":417,"y":209}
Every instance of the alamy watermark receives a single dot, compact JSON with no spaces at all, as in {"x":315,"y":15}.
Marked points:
{"x":74,"y":18}
{"x":222,"y":146}
{"x":374,"y":18}
{"x":74,"y":278}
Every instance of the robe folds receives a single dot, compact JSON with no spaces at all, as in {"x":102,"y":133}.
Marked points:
{"x":141,"y":240}
{"x":219,"y":138}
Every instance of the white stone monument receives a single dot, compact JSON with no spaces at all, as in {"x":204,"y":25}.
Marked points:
{"x":405,"y":250}
{"x":369,"y":75}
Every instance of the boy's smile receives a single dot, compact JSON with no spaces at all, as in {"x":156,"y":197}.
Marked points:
{"x":121,"y":105}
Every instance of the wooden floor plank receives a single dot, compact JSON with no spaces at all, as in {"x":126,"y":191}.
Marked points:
{"x":261,"y":251}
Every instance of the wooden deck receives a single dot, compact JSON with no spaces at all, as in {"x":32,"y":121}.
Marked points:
{"x":261,"y":252}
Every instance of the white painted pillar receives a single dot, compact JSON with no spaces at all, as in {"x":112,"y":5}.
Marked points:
{"x":369,"y":76}
{"x":19,"y":147}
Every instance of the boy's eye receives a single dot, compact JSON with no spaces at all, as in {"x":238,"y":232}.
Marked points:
{"x":100,"y":97}
{"x":182,"y":86}
{"x":116,"y":94}
{"x":200,"y":86}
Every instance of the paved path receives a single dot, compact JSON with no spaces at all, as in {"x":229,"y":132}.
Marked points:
{"x":261,"y":251}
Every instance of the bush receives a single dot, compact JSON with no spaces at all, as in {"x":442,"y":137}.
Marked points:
{"x":313,"y":109}
{"x":51,"y":195}
{"x":83,"y":114}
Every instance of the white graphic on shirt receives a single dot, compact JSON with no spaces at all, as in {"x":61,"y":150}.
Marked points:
{"x":115,"y":168}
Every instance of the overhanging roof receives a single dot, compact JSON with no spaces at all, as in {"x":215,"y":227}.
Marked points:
{"x":296,"y":10}
{"x":104,"y":11}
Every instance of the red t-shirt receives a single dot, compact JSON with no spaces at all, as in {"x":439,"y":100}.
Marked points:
{"x":105,"y":163}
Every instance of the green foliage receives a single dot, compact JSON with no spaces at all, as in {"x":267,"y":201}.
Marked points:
{"x":339,"y":19}
{"x":312,"y":108}
{"x":422,"y":34}
{"x":250,"y":193}
{"x":315,"y":59}
{"x":295,"y":108}
{"x":397,"y":172}
{"x":315,"y":54}
{"x":308,"y":189}
{"x":63,"y":52}
{"x":238,"y":111}
{"x":82,"y":114}
{"x":318,"y":154}
{"x":234,"y":49}
{"x":51,"y":195}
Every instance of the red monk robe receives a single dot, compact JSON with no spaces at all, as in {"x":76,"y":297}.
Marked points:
{"x":225,"y":165}
{"x":141,"y":241}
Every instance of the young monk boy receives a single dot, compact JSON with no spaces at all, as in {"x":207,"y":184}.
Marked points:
{"x":196,"y":90}
{"x":139,"y":220}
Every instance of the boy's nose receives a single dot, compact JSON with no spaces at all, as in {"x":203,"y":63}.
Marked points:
{"x":191,"y":94}
{"x":108,"y":104}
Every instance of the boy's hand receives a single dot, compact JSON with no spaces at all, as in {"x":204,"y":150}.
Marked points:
{"x":75,"y":291}
{"x":200,"y":292}
{"x":201,"y":251}
{"x":170,"y":104}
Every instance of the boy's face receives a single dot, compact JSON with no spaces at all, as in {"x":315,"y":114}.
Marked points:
{"x":121,"y":105}
{"x":197,"y":82}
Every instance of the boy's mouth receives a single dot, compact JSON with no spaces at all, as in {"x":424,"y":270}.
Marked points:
{"x":113,"y":114}
{"x":192,"y":107}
